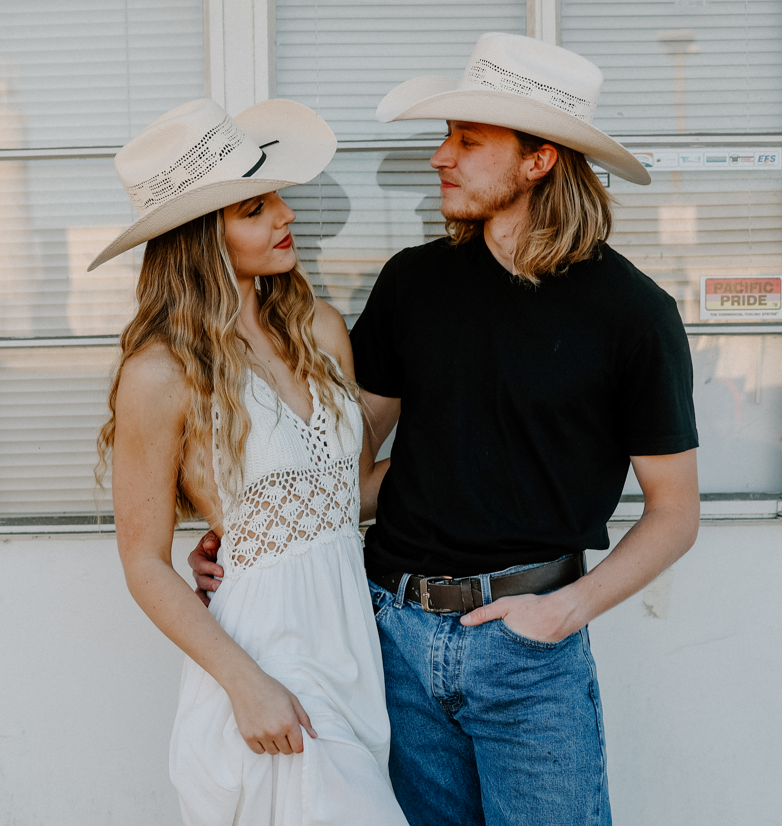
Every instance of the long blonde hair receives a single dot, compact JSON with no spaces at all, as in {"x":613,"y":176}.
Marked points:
{"x":569,"y":214}
{"x":188,"y":299}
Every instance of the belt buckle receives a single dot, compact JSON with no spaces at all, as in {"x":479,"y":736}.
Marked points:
{"x":426,"y":602}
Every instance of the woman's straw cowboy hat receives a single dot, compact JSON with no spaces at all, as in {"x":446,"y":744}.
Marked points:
{"x":195,"y":159}
{"x":522,"y":84}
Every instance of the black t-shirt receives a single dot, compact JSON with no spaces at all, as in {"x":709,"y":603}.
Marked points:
{"x":521,"y":405}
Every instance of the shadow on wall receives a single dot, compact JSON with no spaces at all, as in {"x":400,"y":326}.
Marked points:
{"x":321,"y":198}
{"x":349,"y":226}
{"x":394,"y":174}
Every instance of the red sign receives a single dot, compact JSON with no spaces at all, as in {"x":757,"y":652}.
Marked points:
{"x":744,"y":294}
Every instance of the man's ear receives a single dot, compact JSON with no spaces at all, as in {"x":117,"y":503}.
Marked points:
{"x":544,"y":160}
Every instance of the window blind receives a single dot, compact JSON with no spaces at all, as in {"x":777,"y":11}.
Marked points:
{"x":341,"y":57}
{"x":688,"y":224}
{"x":681,"y":65}
{"x":73,"y":76}
{"x":687,"y":68}
{"x":670,"y":68}
{"x":357,"y":214}
{"x":738,"y":400}
{"x":57,"y":215}
{"x":94,"y":72}
{"x":738,"y":397}
{"x":52,"y":403}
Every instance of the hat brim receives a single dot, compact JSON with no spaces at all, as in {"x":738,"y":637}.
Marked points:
{"x":439,"y":98}
{"x":305,"y":146}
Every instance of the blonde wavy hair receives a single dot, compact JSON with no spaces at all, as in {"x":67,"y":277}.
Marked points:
{"x":569,"y":215}
{"x":188,"y":300}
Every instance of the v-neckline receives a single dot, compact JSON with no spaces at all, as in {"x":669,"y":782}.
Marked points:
{"x":308,"y":423}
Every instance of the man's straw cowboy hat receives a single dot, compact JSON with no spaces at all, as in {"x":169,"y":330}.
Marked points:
{"x":196,"y":159}
{"x":523,"y":84}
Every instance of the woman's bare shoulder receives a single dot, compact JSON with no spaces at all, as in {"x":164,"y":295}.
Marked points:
{"x":153,"y":363}
{"x":330,"y":332}
{"x":152,"y":377}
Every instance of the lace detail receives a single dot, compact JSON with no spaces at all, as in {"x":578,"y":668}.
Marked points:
{"x":301,"y":480}
{"x":288,"y":509}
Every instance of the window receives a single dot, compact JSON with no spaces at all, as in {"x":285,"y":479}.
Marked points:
{"x":686,"y":78}
{"x":76,"y":82}
{"x":379,"y":194}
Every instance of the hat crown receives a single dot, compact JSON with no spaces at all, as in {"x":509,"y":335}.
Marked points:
{"x":190,"y":146}
{"x":537,"y":70}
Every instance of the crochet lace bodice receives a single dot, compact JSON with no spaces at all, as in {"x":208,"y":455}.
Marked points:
{"x":300,"y":480}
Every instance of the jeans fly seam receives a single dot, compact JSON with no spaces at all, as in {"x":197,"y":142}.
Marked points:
{"x":432,"y":659}
{"x":457,"y":683}
{"x":448,"y":700}
{"x":452,"y":703}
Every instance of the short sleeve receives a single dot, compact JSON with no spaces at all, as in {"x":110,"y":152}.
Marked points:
{"x":657,"y":410}
{"x":377,"y":362}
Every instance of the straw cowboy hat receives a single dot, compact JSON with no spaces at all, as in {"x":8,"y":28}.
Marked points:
{"x":195,"y":159}
{"x":522,"y":84}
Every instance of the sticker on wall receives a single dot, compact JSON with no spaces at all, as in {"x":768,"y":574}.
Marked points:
{"x":729,"y":297}
{"x":667,"y":160}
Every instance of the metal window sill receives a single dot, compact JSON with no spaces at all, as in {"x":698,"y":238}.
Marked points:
{"x":715,"y":507}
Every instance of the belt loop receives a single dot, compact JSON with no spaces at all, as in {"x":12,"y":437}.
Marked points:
{"x":399,"y":601}
{"x":486,"y":588}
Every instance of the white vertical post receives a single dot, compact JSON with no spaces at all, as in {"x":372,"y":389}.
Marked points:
{"x":543,"y":21}
{"x":265,"y":49}
{"x":214,"y":70}
{"x":240,"y":52}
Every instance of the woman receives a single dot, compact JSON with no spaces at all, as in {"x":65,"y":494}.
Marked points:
{"x":234,"y":398}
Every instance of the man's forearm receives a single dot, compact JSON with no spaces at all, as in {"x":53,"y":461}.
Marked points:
{"x":655,"y":542}
{"x":666,"y":530}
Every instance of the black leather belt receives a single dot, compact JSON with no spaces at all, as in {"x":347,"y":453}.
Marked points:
{"x":438,"y":595}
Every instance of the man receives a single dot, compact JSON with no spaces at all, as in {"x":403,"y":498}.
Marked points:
{"x":527,"y":364}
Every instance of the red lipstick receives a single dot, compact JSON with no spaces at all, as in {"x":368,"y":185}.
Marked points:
{"x":285,"y":243}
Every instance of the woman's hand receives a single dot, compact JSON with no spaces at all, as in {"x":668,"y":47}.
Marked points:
{"x":269,"y":717}
{"x":152,"y":400}
{"x":203,"y":561}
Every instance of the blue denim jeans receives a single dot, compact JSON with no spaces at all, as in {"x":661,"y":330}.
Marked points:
{"x":489,"y":727}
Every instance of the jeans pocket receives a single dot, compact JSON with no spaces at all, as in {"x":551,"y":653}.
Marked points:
{"x":528,"y":641}
{"x":382,"y":600}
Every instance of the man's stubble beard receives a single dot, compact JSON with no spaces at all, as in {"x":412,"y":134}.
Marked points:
{"x":481,"y":205}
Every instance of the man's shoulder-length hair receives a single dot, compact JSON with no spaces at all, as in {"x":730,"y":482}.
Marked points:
{"x":569,"y":214}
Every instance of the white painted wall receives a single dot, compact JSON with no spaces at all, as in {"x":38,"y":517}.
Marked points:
{"x":89,"y":688}
{"x":692,"y":702}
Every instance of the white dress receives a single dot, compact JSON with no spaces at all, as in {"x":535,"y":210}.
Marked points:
{"x":295,"y":598}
